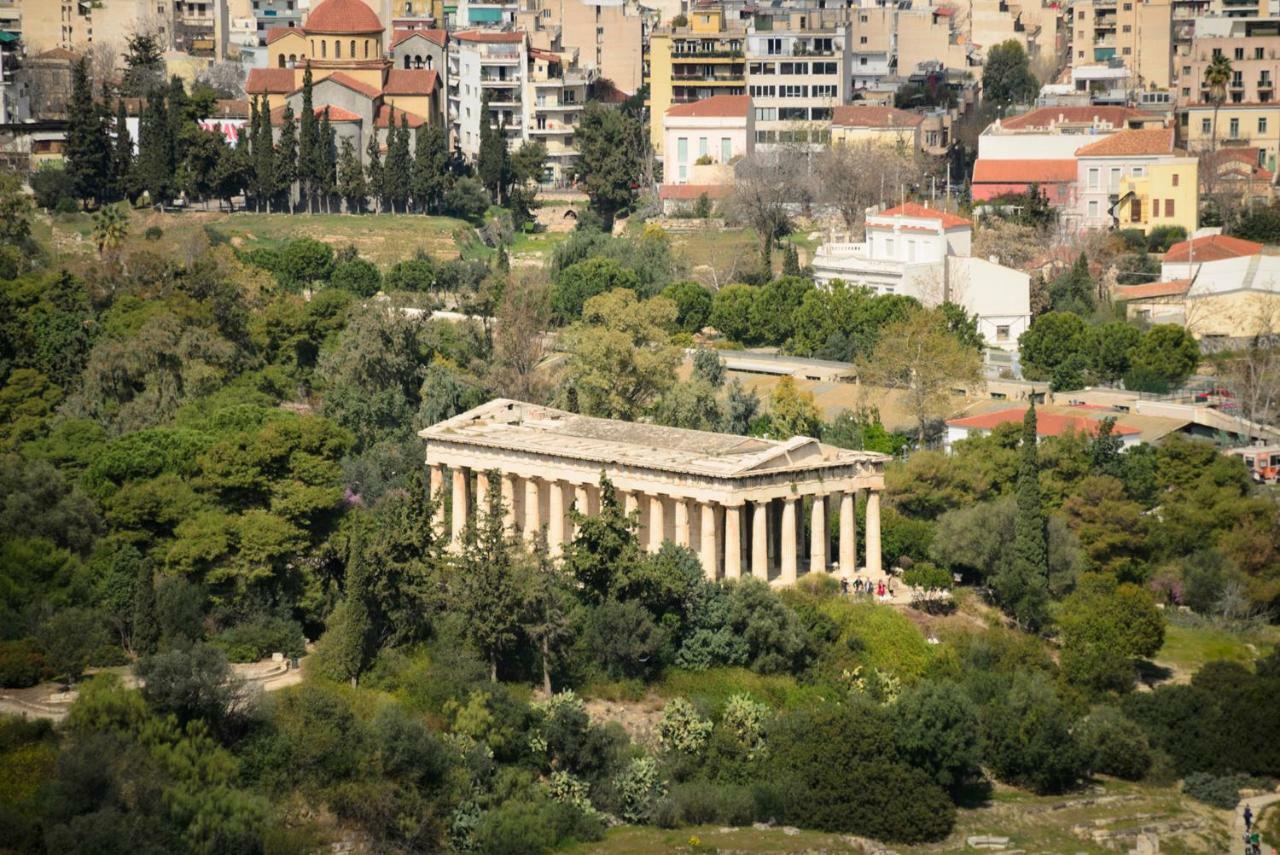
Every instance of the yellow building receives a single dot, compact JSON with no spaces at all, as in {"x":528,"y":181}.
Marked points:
{"x":694,"y":62}
{"x":1166,"y":195}
{"x":1254,"y":126}
{"x":856,"y":124}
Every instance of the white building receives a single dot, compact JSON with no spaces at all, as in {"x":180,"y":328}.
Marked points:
{"x":486,"y":62}
{"x":925,"y":253}
{"x":796,"y":78}
{"x":703,"y":138}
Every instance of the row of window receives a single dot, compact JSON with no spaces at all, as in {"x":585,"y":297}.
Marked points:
{"x":1233,"y":127}
{"x":794,"y":136}
{"x":793,"y":68}
{"x":1258,"y":53}
{"x":704,"y":150}
{"x":774,"y":46}
{"x":822,"y":90}
{"x":793,"y":114}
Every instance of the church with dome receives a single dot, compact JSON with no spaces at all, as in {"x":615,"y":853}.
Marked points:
{"x":352,"y":75}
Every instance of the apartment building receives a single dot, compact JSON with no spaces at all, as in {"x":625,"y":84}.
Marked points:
{"x":607,"y":34}
{"x":704,"y":58}
{"x":486,"y":63}
{"x":276,"y":14}
{"x":1255,"y":126}
{"x":201,"y":28}
{"x":1253,"y":47}
{"x":556,"y":91}
{"x":75,"y":24}
{"x":873,"y":54}
{"x":1138,"y":33}
{"x":797,"y":74}
{"x":485,"y":13}
{"x":704,"y":138}
{"x":933,"y":34}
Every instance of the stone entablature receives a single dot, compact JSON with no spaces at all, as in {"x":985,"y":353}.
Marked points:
{"x":740,"y":502}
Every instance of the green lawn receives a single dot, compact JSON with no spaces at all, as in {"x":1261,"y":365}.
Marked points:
{"x":384,"y":239}
{"x":1188,"y":646}
{"x":716,"y":258}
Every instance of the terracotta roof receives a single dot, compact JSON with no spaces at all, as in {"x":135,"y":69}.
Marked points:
{"x":1211,"y":248}
{"x":437,"y":36}
{"x":488,"y":37}
{"x":276,"y":33}
{"x":691,"y":192}
{"x":336,"y":114}
{"x":58,"y":53}
{"x":716,"y":105}
{"x":865,"y":116}
{"x":548,"y":55}
{"x":1131,"y":143}
{"x":1232,"y":161}
{"x":1045,"y":117}
{"x":918,"y":211}
{"x":1028,"y":171}
{"x":1047,"y":424}
{"x":342,"y":16}
{"x":344,"y":79}
{"x":1171,"y":288}
{"x":415,"y":81}
{"x":386,"y":113}
{"x":276,"y":81}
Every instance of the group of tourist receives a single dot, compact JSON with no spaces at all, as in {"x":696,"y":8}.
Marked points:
{"x":881,"y":590}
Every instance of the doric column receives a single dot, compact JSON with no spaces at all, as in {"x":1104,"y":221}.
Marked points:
{"x":873,"y":533}
{"x":848,"y":533}
{"x":733,"y":541}
{"x":657,"y":523}
{"x":630,"y":503}
{"x":459,"y":506}
{"x":532,"y":509}
{"x":818,"y":535}
{"x":437,"y":494}
{"x":482,"y":494}
{"x":760,"y":540}
{"x":580,"y":500}
{"x":509,"y":502}
{"x":788,"y":574}
{"x":555,"y":526}
{"x":707,"y":534}
{"x":683,"y":537}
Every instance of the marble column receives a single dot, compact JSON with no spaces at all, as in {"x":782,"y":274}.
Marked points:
{"x":733,"y":541}
{"x":760,"y":540}
{"x":873,"y":534}
{"x":818,"y":535}
{"x":532,"y":510}
{"x":482,"y":494}
{"x":459,"y":507}
{"x":657,"y":523}
{"x":789,"y":527}
{"x":509,"y":502}
{"x":631,"y":504}
{"x":707,"y":534}
{"x":437,"y":494}
{"x":580,"y":502}
{"x":555,"y":526}
{"x":848,"y":534}
{"x":683,"y":538}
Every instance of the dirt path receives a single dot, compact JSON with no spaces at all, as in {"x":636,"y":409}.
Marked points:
{"x":1258,"y":804}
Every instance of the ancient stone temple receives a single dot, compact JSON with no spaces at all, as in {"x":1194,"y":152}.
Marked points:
{"x":748,"y":506}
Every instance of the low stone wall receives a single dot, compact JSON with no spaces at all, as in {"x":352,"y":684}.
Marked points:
{"x":688,"y":224}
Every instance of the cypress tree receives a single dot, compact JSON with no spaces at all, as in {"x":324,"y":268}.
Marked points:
{"x":351,"y":184}
{"x":181,"y":118}
{"x":264,"y":159}
{"x":1024,"y":587}
{"x":399,"y":173}
{"x":88,"y":141}
{"x":493,"y":162}
{"x":155,"y":165}
{"x":375,"y":170}
{"x":328,"y":160}
{"x":121,"y":154}
{"x":430,"y":168}
{"x":349,"y":640}
{"x":308,"y":142}
{"x":145,"y":636}
{"x":286,"y":171}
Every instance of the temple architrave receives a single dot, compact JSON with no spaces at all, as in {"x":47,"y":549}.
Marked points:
{"x":747,"y":506}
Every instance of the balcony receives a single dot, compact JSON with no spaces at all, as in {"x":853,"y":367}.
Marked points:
{"x":552,"y":129}
{"x":677,"y":56}
{"x":702,"y":77}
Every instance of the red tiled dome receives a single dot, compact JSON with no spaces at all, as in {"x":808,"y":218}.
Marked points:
{"x":342,"y":17}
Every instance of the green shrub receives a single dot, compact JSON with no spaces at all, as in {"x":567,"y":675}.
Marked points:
{"x":259,"y":637}
{"x":153,"y":233}
{"x":1218,"y":791}
{"x":21,"y":664}
{"x":66,"y":205}
{"x":358,"y":276}
{"x":520,"y":827}
{"x":1117,"y":745}
{"x":415,"y":274}
{"x":702,"y":803}
{"x":53,"y":186}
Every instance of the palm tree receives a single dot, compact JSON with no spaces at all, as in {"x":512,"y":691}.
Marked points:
{"x":1216,"y":76}
{"x":110,"y":227}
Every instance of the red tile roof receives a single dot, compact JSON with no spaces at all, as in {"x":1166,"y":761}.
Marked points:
{"x":1237,"y":162}
{"x":1046,"y":117}
{"x":1024,"y":171}
{"x":437,"y":36}
{"x":488,"y":37}
{"x":276,"y":33}
{"x":58,"y":53}
{"x":1211,"y":248}
{"x":415,"y":81}
{"x":336,"y":114}
{"x":716,"y":105}
{"x":690,"y":192}
{"x":344,"y":79}
{"x":1131,"y":144}
{"x":918,"y":211}
{"x":274,"y":81}
{"x":387,"y":114}
{"x":342,"y":17}
{"x":1149,"y":290}
{"x":1047,"y":424}
{"x":866,"y":116}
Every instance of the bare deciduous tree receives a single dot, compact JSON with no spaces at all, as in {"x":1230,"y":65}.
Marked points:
{"x":225,"y":78}
{"x":856,"y":177}
{"x":764,"y":186}
{"x":520,"y":342}
{"x":1253,"y":373}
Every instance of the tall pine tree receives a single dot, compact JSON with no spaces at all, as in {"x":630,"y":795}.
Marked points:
{"x":374,"y":170}
{"x":1023,"y":587}
{"x":88,"y":150}
{"x":287,"y":154}
{"x":155,"y":166}
{"x":351,"y":184}
{"x":122,"y":156}
{"x":309,"y":155}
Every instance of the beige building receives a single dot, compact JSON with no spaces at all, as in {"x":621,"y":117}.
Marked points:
{"x":1252,"y":45}
{"x":76,"y":25}
{"x":932,"y":34}
{"x":704,"y":58}
{"x":747,"y":506}
{"x":1135,"y":33}
{"x":1255,"y":126}
{"x":608,"y":36}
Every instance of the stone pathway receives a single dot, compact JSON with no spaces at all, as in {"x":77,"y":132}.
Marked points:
{"x":1258,"y":804}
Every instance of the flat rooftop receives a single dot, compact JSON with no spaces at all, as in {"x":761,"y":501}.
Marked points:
{"x":516,"y":426}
